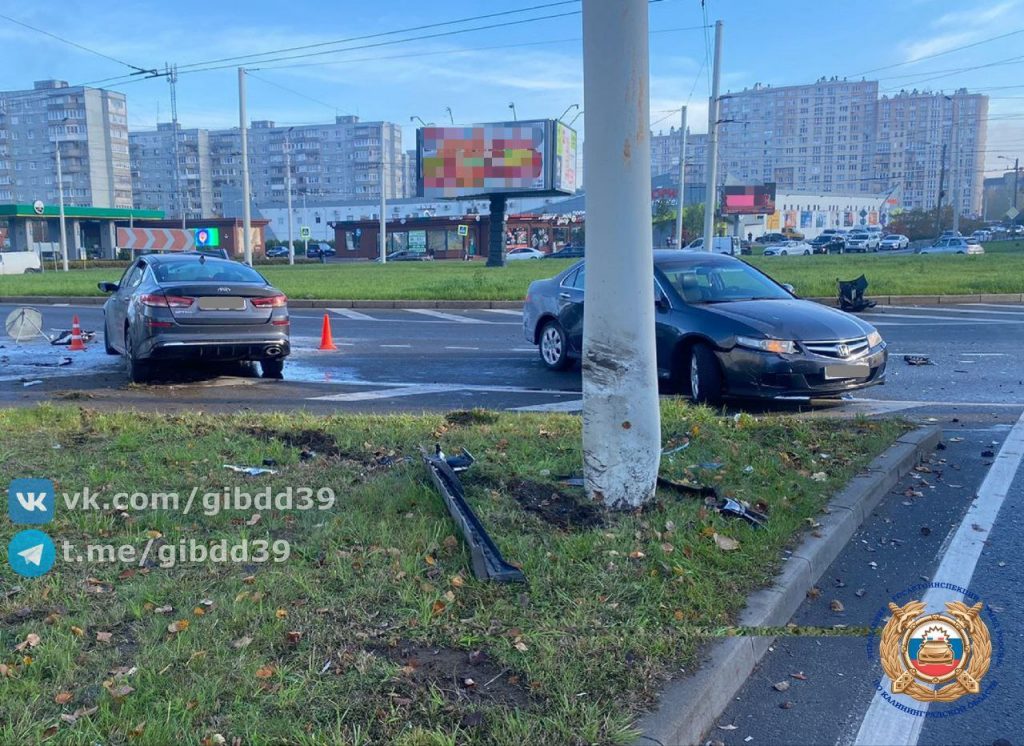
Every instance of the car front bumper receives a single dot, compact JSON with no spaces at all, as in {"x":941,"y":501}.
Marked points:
{"x":763,"y":375}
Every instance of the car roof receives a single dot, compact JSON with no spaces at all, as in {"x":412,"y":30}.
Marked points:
{"x":183,"y":257}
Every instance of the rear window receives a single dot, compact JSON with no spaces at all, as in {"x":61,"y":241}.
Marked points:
{"x":208,"y":271}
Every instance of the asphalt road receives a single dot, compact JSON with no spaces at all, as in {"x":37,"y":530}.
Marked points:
{"x":416,"y":360}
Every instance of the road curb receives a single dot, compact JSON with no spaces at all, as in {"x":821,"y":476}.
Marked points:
{"x":465,"y":305}
{"x":689,"y":707}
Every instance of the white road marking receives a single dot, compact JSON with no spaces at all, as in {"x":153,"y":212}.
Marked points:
{"x":984,"y":354}
{"x":413,"y":387}
{"x":505,"y":311}
{"x":574,"y":405}
{"x":957,"y":309}
{"x":922,"y":317}
{"x":461,"y":348}
{"x":348,"y":313}
{"x":447,"y":316}
{"x":386,"y":393}
{"x":883,"y":723}
{"x":401,"y":346}
{"x":995,"y":305}
{"x":923,"y":403}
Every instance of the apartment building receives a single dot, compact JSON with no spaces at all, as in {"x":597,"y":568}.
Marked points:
{"x":89,"y":125}
{"x":172,"y":171}
{"x":925,"y":137}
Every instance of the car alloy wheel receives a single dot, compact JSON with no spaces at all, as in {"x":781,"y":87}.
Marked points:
{"x":695,"y":391}
{"x":138,"y":370}
{"x":553,"y":346}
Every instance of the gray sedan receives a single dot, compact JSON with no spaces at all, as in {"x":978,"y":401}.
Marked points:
{"x":185,"y":307}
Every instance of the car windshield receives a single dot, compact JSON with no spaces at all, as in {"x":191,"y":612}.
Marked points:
{"x":892,"y":238}
{"x":715,"y":282}
{"x":205,"y":272}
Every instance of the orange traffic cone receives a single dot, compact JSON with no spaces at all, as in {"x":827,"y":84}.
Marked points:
{"x":326,"y":340}
{"x":76,"y":336}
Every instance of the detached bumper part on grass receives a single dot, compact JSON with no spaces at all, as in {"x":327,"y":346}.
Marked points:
{"x":726,"y":506}
{"x":486,"y":559}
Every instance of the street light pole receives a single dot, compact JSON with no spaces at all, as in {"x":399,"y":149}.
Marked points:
{"x":955,"y":176}
{"x":288,"y":191}
{"x":60,"y":193}
{"x":682,"y":177}
{"x":383,"y":203}
{"x":621,"y":419}
{"x":711,"y":199}
{"x":246,"y":208}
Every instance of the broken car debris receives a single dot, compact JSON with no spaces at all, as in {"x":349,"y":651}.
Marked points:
{"x":917,"y":360}
{"x":725,"y":506}
{"x":851,"y":294}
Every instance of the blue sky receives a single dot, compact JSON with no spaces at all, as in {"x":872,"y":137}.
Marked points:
{"x":537,"y":65}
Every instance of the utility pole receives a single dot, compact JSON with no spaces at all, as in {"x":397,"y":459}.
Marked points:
{"x":621,"y":418}
{"x":942,"y":186}
{"x":60,"y":192}
{"x":955,"y":175}
{"x":682,"y":177}
{"x":171,"y":72}
{"x":712,"y":195}
{"x":1016,"y":175}
{"x":383,"y":203}
{"x":288,"y":192}
{"x":243,"y":126}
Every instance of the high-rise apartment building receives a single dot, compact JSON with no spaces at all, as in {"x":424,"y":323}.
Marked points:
{"x":175,"y":177}
{"x":665,"y":160}
{"x":89,"y":125}
{"x":915,"y":130}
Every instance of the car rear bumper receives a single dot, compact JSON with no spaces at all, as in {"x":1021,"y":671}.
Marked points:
{"x":233,"y":344}
{"x":754,"y":374}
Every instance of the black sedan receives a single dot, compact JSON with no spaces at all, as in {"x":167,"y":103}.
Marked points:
{"x":183,"y":307}
{"x":828,"y":243}
{"x":567,"y":252}
{"x":723,"y":328}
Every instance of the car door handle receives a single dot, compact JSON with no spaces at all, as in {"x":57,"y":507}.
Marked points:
{"x":564,"y":296}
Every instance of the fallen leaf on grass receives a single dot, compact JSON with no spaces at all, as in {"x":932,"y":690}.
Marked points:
{"x":281,"y":614}
{"x":163,"y":609}
{"x":725,"y":543}
{"x":137,"y":730}
{"x":837,"y":605}
{"x":63,"y":698}
{"x":31,"y":640}
{"x":457,"y":581}
{"x":81,"y":712}
{"x":5,"y":670}
{"x":242,"y":642}
{"x":430,"y":560}
{"x":179,"y":626}
{"x":781,"y":686}
{"x":120,"y":692}
{"x":819,"y":476}
{"x":438,"y":607}
{"x":637,"y":555}
{"x":104,"y":636}
{"x":667,"y":548}
{"x":265,"y":672}
{"x":521,"y":646}
{"x":293,"y":637}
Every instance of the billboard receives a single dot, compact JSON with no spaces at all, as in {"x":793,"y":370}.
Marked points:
{"x":536,"y":157}
{"x":748,"y":200}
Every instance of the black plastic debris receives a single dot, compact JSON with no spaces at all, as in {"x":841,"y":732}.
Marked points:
{"x":306,"y":455}
{"x":457,"y":463}
{"x":725,"y":506}
{"x":571,"y":481}
{"x":917,"y":360}
{"x":270,"y":462}
{"x":989,"y":453}
{"x":851,"y":294}
{"x":53,"y":364}
{"x":64,"y":337}
{"x":486,"y":559}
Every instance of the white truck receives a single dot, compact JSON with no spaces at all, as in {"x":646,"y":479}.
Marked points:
{"x":720,"y":245}
{"x":19,"y":262}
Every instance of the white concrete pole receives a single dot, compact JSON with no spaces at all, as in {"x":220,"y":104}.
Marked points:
{"x":246,"y":208}
{"x":63,"y":225}
{"x":621,"y":418}
{"x":383,"y":203}
{"x":288,"y":192}
{"x":955,"y":176}
{"x":682,"y":177}
{"x":713,"y":105}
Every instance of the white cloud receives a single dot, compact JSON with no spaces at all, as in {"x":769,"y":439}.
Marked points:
{"x":957,"y":28}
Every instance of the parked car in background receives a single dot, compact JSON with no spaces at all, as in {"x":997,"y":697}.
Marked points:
{"x":409,"y":256}
{"x":277,"y":252}
{"x":185,"y":307}
{"x":860,"y":241}
{"x":523,"y":253}
{"x":951,"y":234}
{"x":772,"y":238}
{"x":894,"y":242}
{"x":953,"y":245}
{"x":319,"y":250}
{"x":19,"y":262}
{"x":567,"y":252}
{"x":828,"y":243}
{"x":981,"y":236}
{"x":792,"y":234}
{"x":723,"y":328}
{"x":789,"y":248}
{"x":720,"y":244}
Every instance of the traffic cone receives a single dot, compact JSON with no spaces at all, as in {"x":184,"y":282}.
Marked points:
{"x":326,"y":340}
{"x":77,"y":344}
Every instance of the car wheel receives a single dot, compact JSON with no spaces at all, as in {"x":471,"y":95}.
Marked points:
{"x":554,"y":346}
{"x":959,"y":252}
{"x":138,"y":370}
{"x":783,"y":253}
{"x":106,"y":339}
{"x":272,"y":368}
{"x":807,"y":253}
{"x":705,"y":376}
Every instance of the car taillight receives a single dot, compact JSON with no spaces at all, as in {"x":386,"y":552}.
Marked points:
{"x":165,"y":301}
{"x":274,"y":301}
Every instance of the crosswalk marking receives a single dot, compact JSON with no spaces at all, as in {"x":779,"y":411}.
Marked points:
{"x":505,"y":311}
{"x":348,"y":313}
{"x":446,"y":316}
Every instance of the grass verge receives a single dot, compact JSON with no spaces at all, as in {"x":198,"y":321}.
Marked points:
{"x":1001,"y":270}
{"x":374,"y":630}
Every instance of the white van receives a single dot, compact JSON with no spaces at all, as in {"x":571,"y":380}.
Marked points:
{"x":721,"y":244}
{"x":18,"y":262}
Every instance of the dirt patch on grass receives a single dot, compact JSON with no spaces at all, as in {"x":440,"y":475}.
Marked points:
{"x":464,"y":676}
{"x":314,"y":444}
{"x":556,"y":507}
{"x":471,"y":417}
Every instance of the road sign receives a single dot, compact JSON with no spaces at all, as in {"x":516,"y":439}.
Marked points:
{"x":1012,"y":213}
{"x":304,"y":231}
{"x":463,"y":230}
{"x":155,"y":239}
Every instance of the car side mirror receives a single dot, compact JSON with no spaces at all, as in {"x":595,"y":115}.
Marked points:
{"x":789,"y":288}
{"x":107,"y":287}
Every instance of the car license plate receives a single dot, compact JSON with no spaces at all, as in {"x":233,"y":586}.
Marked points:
{"x":833,"y":372}
{"x":217,"y":303}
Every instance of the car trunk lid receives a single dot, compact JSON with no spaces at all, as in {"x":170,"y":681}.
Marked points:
{"x":221,"y":302}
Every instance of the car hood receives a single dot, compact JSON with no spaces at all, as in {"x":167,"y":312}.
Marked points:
{"x":794,"y":319}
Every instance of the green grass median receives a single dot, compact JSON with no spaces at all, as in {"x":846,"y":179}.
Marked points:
{"x":1001,"y":270}
{"x":373,"y":630}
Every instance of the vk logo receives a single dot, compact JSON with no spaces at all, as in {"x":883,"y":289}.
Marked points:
{"x":31,"y":553}
{"x":31,"y":501}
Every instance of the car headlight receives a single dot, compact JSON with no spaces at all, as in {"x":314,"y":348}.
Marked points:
{"x":874,"y":339}
{"x":780,"y":346}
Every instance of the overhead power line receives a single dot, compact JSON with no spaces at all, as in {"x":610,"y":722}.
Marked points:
{"x":75,"y":44}
{"x":940,"y":54}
